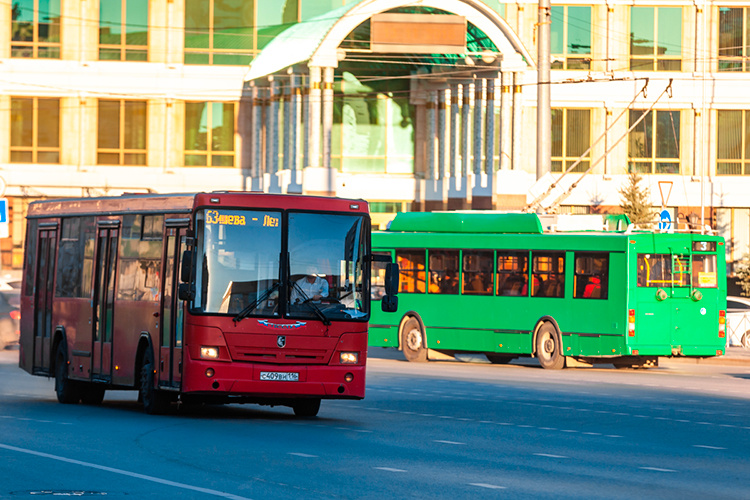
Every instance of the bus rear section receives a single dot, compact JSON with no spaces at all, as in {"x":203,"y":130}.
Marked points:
{"x":677,"y":300}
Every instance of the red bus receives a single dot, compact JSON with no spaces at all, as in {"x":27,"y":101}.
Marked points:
{"x":216,"y":297}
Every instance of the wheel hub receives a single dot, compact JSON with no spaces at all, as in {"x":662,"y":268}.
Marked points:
{"x":414,"y":339}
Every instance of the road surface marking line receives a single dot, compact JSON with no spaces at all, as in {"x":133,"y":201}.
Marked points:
{"x":547,"y":428}
{"x":657,"y":469}
{"x":613,"y":436}
{"x":524,"y":426}
{"x":446,"y":442}
{"x":708,"y":447}
{"x":549,"y":455}
{"x":303,"y":455}
{"x":593,"y":433}
{"x":389,"y":469}
{"x":568,"y":430}
{"x":490,"y":486}
{"x":126,"y":473}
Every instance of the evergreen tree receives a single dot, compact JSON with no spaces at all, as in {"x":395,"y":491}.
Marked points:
{"x":636,"y":201}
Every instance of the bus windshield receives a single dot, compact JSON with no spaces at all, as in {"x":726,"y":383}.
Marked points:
{"x":326,"y":266}
{"x":665,"y":270}
{"x":238,"y":261}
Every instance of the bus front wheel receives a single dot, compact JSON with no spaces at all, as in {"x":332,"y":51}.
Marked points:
{"x":154,"y":401}
{"x":67,"y":390}
{"x":413,"y":342}
{"x":746,"y":340}
{"x":549,"y":348}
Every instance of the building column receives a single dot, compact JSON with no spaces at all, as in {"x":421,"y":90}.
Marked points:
{"x":517,"y":121}
{"x":476,"y":132}
{"x":318,"y":177}
{"x":294,"y":186}
{"x":456,"y":198}
{"x":272,"y":138}
{"x":314,"y":103}
{"x":506,"y":123}
{"x":433,"y":196}
{"x":256,"y":139}
{"x":483,"y":185}
{"x":465,"y":126}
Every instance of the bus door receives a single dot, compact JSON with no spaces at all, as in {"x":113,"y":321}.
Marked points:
{"x":682,"y":320}
{"x":103,"y":303}
{"x":43,"y":294}
{"x":170,"y":351}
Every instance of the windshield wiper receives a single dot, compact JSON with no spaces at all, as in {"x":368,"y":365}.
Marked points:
{"x":312,"y":304}
{"x":244,"y":313}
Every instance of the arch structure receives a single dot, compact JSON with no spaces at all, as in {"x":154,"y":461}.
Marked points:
{"x":452,"y":103}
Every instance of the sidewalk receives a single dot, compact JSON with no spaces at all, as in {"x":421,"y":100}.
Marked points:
{"x":735,"y":356}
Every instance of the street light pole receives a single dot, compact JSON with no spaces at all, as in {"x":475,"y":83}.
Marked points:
{"x":543,"y":110}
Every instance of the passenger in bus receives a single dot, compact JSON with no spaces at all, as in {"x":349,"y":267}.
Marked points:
{"x":477,"y":284}
{"x":449,"y":283}
{"x":309,"y":287}
{"x":593,"y":288}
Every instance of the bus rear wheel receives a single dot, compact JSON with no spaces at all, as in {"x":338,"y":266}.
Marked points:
{"x":746,"y":340}
{"x":154,"y":401}
{"x":67,"y":390}
{"x":413,"y":342}
{"x":306,"y":407}
{"x":549,"y":348}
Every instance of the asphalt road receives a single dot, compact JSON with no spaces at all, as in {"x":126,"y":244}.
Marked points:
{"x":435,"y":430}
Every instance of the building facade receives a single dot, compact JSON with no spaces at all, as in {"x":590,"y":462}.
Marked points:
{"x":411,"y":105}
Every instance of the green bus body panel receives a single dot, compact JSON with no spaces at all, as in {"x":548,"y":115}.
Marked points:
{"x":589,"y":327}
{"x":461,"y":222}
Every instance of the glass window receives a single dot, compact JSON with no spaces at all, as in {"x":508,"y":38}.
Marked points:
{"x":704,"y":271}
{"x":140,"y":259}
{"x":662,"y":270}
{"x":655,"y":38}
{"x":548,"y":274}
{"x":122,"y":132}
{"x":733,"y":142}
{"x":315,"y":8}
{"x":35,"y":29}
{"x":34,"y":130}
{"x":512,"y":273}
{"x":654,"y":153}
{"x":209,"y":134}
{"x":591,"y":275}
{"x":377,"y":280}
{"x":411,"y":264}
{"x":571,"y":138}
{"x":123,"y":30}
{"x":477,"y":272}
{"x":326,"y":266}
{"x":734,"y":46}
{"x":443,"y":271}
{"x":571,"y":37}
{"x":219,"y":31}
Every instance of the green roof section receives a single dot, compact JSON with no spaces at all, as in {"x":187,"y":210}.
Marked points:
{"x":464,"y":222}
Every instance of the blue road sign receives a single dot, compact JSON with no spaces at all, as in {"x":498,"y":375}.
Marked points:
{"x":3,"y":210}
{"x":665,"y":218}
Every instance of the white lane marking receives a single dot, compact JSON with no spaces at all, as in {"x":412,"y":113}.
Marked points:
{"x":593,"y":433}
{"x":613,"y":436}
{"x":303,"y":455}
{"x":490,"y":486}
{"x":549,"y":456}
{"x":708,"y":447}
{"x":126,"y":473}
{"x":389,"y":469}
{"x":657,"y":469}
{"x":446,"y":442}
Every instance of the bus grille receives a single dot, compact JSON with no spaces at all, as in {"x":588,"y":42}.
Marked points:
{"x":280,"y":356}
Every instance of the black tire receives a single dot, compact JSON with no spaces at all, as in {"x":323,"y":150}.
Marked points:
{"x":549,"y":348}
{"x":92,"y":394}
{"x":500,"y":359}
{"x":746,"y":340}
{"x":306,"y":407}
{"x":67,"y":390}
{"x":154,"y":401}
{"x":413,"y":341}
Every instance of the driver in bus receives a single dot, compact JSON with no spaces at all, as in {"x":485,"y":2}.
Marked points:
{"x":313,"y":286}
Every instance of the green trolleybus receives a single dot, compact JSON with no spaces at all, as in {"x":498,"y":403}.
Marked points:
{"x":497,"y":284}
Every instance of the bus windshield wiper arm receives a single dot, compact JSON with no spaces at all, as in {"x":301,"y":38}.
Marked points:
{"x":244,"y":313}
{"x":312,"y":304}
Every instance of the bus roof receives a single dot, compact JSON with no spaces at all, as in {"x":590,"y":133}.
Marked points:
{"x":185,"y":202}
{"x":463,"y":222}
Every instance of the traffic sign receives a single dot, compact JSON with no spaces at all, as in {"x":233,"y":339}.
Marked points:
{"x":4,"y":210}
{"x":665,"y":220}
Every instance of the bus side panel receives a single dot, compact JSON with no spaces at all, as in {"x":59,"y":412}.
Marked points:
{"x":74,"y":317}
{"x":131,"y":318}
{"x":381,"y":335}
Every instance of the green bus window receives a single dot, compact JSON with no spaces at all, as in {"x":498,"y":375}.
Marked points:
{"x":377,"y":281}
{"x":411,"y":271}
{"x":662,"y":270}
{"x":704,"y":271}
{"x":477,"y":273}
{"x":548,"y":274}
{"x":443,"y":271}
{"x":591,"y":276}
{"x":512,"y":273}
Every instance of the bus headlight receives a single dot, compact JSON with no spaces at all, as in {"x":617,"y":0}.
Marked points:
{"x":209,"y":352}
{"x":349,"y":358}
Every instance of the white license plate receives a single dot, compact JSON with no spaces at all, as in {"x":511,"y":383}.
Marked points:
{"x":280,"y":376}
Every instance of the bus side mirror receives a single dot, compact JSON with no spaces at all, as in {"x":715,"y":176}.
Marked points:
{"x":389,"y":303}
{"x":186,"y":267}
{"x":391,"y":279}
{"x":185,"y":291}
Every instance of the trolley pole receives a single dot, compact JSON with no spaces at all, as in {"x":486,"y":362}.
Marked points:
{"x":543,"y":109}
